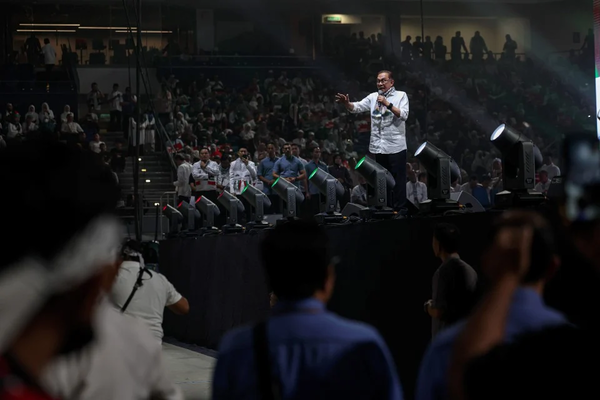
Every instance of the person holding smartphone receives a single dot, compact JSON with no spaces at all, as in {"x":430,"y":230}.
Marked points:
{"x":242,"y":172}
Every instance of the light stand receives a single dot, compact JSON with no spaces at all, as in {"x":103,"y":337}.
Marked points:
{"x":258,"y":202}
{"x":380,"y":179}
{"x":291,"y":196}
{"x":234,"y":206}
{"x":332,"y":189}
{"x":441,"y":171}
{"x":208,"y":211}
{"x":520,"y":160}
{"x":174,"y":217}
{"x":191,"y":218}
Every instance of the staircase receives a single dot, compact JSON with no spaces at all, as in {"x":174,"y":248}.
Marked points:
{"x":155,"y":176}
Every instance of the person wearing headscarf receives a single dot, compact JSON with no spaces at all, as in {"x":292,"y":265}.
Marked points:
{"x":32,"y":114}
{"x":50,"y":289}
{"x":63,"y":116}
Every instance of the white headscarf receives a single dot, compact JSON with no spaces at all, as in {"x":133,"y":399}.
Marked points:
{"x":34,"y":281}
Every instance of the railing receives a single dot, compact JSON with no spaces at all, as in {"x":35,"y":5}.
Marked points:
{"x":235,"y":61}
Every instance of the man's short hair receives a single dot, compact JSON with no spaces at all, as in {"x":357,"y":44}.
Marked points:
{"x":294,"y":145}
{"x":543,"y":247}
{"x":179,"y":157}
{"x":389,"y":73}
{"x":448,"y":236}
{"x":296,"y":259}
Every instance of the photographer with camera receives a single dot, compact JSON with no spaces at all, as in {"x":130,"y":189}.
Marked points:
{"x":144,"y":294}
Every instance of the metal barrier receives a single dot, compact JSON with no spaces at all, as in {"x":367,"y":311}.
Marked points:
{"x":165,"y":198}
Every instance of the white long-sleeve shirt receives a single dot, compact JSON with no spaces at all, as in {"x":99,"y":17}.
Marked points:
{"x":182,"y":184}
{"x":205,"y":177}
{"x":241,"y":175}
{"x":388,"y":132}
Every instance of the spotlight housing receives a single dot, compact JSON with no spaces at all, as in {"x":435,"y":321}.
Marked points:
{"x":191,"y":217}
{"x":520,"y":159}
{"x":208,"y":211}
{"x":378,"y":178}
{"x":291,"y":196}
{"x":441,"y":172}
{"x":234,"y":207}
{"x":174,"y":217}
{"x":258,"y":202}
{"x":333,"y":190}
{"x":329,"y":186}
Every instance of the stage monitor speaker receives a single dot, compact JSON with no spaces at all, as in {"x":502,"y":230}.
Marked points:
{"x":467,"y":200}
{"x":356,"y":210}
{"x":557,"y":188}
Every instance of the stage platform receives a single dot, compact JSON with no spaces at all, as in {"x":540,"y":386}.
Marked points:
{"x":383,"y":279}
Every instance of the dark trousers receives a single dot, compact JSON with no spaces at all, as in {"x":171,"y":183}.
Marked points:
{"x":396,"y":164}
{"x":125,"y":124}
{"x":183,"y":198}
{"x":115,"y":120}
{"x":275,"y":204}
{"x":314,"y":204}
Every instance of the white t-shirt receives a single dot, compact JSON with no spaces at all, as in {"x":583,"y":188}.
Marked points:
{"x":117,"y":98}
{"x":123,"y":362}
{"x":149,"y":302}
{"x":49,"y":54}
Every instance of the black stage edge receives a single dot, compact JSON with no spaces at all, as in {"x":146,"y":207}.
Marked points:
{"x":383,"y":279}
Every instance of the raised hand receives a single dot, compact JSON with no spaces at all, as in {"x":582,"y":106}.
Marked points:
{"x":342,"y":98}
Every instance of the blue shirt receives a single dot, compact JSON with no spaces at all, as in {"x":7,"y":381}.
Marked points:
{"x":482,"y":195}
{"x":289,"y":168}
{"x":528,"y":313}
{"x":265,"y":169}
{"x":315,"y":355}
{"x":310,"y":167}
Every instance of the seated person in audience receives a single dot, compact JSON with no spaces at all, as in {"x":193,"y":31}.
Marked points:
{"x":32,"y":114}
{"x":71,"y":129}
{"x":46,"y":121}
{"x":303,"y":350}
{"x":483,"y":192}
{"x":96,"y":143}
{"x":63,"y":116}
{"x":15,"y":130}
{"x":416,"y":191}
{"x":544,"y":184}
{"x":29,"y":125}
{"x":359,"y":192}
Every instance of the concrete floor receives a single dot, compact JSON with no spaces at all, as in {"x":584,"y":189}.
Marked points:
{"x":190,"y":371}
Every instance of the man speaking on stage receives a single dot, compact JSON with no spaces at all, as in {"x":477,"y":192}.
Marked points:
{"x":389,"y":111}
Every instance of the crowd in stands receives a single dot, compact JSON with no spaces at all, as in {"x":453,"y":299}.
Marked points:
{"x":455,"y":104}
